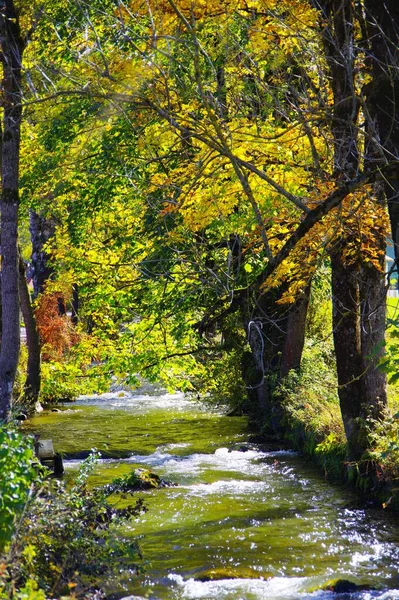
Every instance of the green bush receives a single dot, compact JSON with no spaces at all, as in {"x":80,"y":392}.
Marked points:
{"x":223,"y":385}
{"x":17,"y":479}
{"x":311,"y":408}
{"x":65,"y":381}
{"x":62,"y":540}
{"x":385,"y":447}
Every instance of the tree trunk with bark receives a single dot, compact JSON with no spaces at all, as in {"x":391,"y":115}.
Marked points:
{"x":41,"y":229}
{"x":359,"y":336}
{"x":294,"y":338}
{"x":32,"y":382}
{"x":381,"y":24}
{"x":276,"y":337}
{"x":338,"y":37}
{"x":12,"y":46}
{"x":372,"y":331}
{"x":356,"y":286}
{"x":347,"y":343}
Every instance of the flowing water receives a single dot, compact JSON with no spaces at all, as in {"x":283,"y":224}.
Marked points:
{"x":243,"y":523}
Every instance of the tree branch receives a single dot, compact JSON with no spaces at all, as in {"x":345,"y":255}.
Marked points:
{"x":311,"y":219}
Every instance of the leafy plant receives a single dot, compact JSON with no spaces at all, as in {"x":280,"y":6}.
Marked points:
{"x":68,"y":539}
{"x":385,"y":446}
{"x":139,"y":479}
{"x":65,"y":380}
{"x":17,"y":478}
{"x":390,"y":361}
{"x":56,"y":331}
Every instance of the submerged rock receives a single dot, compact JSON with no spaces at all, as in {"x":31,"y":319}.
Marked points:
{"x":232,"y":573}
{"x":343,"y":586}
{"x":83,"y":454}
{"x":137,"y":480}
{"x":243,"y":447}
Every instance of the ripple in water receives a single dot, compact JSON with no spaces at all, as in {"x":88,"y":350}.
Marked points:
{"x":257,"y":511}
{"x":141,"y":403}
{"x":277,"y":588}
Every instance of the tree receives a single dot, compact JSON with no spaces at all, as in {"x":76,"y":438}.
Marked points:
{"x":379,"y":22}
{"x":41,"y":230}
{"x":358,"y":282}
{"x":33,"y":375}
{"x":237,"y":145}
{"x":12,"y":44}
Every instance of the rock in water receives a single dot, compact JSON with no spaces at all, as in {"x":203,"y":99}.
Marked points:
{"x":233,"y":573}
{"x":137,"y":480}
{"x":342,"y":586}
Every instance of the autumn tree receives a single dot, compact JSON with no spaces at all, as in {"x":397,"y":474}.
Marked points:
{"x":358,"y":281}
{"x":21,"y":81}
{"x":236,"y":145}
{"x":343,"y":172}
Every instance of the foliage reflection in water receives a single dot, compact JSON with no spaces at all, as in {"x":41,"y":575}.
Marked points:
{"x":243,"y":523}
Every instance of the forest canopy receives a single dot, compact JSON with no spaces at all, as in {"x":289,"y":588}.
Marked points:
{"x":185,"y":185}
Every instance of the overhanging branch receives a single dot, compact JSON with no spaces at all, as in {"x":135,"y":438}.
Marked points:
{"x":310,"y":220}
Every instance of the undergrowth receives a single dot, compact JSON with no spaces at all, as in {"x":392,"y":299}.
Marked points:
{"x":311,"y":409}
{"x":314,"y":427}
{"x":58,"y":541}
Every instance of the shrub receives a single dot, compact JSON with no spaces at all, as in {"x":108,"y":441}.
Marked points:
{"x":17,"y":479}
{"x":385,"y":447}
{"x":64,"y":541}
{"x":57,"y":332}
{"x":311,"y":409}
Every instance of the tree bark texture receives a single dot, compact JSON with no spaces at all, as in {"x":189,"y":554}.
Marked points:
{"x":32,"y":382}
{"x":12,"y":45}
{"x":347,"y":343}
{"x":359,"y":335}
{"x":275,"y":335}
{"x":372,"y":331}
{"x":382,"y":94}
{"x":294,"y":339}
{"x":41,"y":229}
{"x":338,"y":39}
{"x":338,"y":43}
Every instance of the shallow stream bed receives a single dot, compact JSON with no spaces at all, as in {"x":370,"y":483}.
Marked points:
{"x":261,"y":524}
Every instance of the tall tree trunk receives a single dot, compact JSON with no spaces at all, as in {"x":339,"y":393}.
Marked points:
{"x":382,"y":93}
{"x":338,"y":43}
{"x":295,"y":335}
{"x":32,"y":382}
{"x":347,"y":343}
{"x":41,"y":230}
{"x":12,"y":45}
{"x":356,"y":287}
{"x":359,"y":335}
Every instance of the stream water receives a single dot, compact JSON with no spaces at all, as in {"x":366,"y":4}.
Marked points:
{"x":264,"y":522}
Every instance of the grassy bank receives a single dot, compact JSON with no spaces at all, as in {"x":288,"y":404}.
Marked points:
{"x":314,"y":427}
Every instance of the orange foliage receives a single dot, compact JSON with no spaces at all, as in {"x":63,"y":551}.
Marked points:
{"x":57,"y":333}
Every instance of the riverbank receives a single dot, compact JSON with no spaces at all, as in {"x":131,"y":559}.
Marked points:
{"x":312,"y":425}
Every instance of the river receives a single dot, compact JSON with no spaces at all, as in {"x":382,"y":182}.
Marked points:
{"x":262,"y":523}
